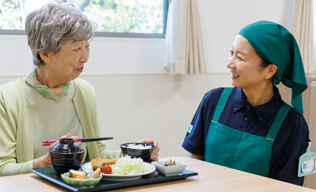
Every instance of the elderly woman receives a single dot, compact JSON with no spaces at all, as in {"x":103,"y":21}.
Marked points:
{"x":249,"y":127}
{"x":51,"y":101}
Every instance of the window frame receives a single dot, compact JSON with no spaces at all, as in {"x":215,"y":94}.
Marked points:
{"x":166,"y":4}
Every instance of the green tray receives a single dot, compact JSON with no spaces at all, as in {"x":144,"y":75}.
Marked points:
{"x":49,"y":174}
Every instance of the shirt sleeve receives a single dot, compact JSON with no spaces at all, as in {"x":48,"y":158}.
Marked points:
{"x":197,"y":131}
{"x":284,"y":162}
{"x":8,"y":162}
{"x":107,"y":154}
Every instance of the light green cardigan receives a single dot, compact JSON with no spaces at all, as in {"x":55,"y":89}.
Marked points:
{"x":17,"y":113}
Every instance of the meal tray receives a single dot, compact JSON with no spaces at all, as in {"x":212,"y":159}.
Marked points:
{"x":49,"y":174}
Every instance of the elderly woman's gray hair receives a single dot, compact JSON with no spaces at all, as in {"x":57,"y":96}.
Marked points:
{"x":53,"y":24}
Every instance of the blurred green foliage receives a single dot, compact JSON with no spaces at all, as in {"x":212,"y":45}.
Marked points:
{"x":11,"y":14}
{"x":134,"y":16}
{"x":121,"y":16}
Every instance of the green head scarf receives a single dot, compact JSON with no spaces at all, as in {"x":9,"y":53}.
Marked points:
{"x":277,"y":45}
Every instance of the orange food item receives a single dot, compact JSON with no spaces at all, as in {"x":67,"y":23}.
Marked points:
{"x":81,"y":177}
{"x":78,"y":174}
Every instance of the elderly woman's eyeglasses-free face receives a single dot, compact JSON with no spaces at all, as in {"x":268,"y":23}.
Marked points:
{"x":68,"y":63}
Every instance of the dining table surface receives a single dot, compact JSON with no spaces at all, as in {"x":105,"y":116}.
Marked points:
{"x":210,"y":177}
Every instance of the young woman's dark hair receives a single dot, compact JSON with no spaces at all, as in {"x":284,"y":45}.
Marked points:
{"x":264,"y":63}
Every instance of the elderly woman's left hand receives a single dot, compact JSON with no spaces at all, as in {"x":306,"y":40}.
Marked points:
{"x":154,"y":156}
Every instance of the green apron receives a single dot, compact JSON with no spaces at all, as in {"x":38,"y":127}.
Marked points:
{"x":240,"y":150}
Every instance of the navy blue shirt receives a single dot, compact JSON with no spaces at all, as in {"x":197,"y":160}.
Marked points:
{"x":290,"y":143}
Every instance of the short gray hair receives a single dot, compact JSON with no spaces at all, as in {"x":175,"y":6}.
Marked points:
{"x":53,"y":24}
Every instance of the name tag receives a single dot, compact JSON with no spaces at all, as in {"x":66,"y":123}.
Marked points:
{"x":190,"y":128}
{"x":306,"y":164}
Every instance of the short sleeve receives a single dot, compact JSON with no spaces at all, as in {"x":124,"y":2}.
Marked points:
{"x":197,"y":131}
{"x":289,"y":146}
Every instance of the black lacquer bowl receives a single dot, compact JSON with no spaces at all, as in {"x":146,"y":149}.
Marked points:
{"x":145,"y":154}
{"x":66,"y":155}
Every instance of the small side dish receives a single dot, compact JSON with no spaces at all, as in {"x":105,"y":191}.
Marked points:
{"x":168,"y":168}
{"x":170,"y":163}
{"x":82,"y":179}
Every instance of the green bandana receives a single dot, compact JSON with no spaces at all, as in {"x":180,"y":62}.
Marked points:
{"x":57,"y":94}
{"x":278,"y":46}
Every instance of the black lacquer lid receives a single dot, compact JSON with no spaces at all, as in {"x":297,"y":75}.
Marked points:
{"x":66,"y":145}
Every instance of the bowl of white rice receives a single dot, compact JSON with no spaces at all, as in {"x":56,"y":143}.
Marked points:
{"x":142,"y":150}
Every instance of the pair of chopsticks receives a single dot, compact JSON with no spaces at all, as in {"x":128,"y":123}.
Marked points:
{"x":49,"y":142}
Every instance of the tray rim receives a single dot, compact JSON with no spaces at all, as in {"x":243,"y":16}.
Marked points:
{"x":53,"y":180}
{"x":118,"y":185}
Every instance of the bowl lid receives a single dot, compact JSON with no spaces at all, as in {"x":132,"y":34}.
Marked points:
{"x":66,"y":145}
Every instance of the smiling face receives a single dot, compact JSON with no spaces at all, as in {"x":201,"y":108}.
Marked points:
{"x":67,"y":64}
{"x":244,"y":64}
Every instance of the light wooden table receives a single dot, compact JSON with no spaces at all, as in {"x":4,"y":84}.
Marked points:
{"x":211,"y":178}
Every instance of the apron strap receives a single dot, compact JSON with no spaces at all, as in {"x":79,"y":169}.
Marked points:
{"x":276,"y":125}
{"x":221,"y":103}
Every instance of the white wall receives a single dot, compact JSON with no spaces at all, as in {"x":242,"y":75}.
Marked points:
{"x":222,"y":20}
{"x":107,"y":56}
{"x":136,"y":98}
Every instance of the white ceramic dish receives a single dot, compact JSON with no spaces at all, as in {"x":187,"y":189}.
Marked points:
{"x":113,"y":177}
{"x":169,"y":170}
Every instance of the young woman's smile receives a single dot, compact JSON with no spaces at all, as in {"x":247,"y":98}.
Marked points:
{"x":244,"y":64}
{"x":234,"y":76}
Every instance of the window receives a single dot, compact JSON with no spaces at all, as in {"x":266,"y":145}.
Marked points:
{"x":127,"y":18}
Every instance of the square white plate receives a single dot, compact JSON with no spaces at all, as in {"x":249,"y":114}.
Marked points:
{"x":176,"y":169}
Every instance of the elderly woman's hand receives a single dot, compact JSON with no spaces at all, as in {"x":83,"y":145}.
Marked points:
{"x":154,"y":156}
{"x":44,"y":161}
{"x":73,"y":137}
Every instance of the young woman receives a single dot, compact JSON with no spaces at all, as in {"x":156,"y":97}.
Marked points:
{"x":249,"y":127}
